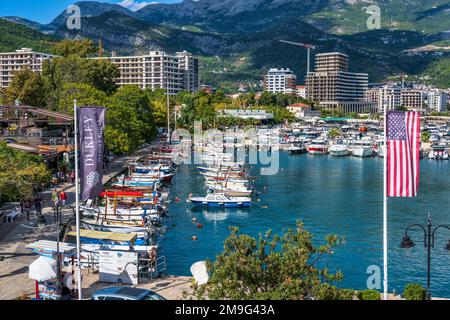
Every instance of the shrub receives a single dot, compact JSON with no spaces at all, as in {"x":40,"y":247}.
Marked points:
{"x":414,"y":291}
{"x":369,"y":295}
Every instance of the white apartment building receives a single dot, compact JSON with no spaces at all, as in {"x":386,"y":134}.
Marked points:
{"x":386,"y":98}
{"x":280,"y":81}
{"x":437,"y":101}
{"x":12,"y":62}
{"x":158,"y":70}
{"x":413,"y":99}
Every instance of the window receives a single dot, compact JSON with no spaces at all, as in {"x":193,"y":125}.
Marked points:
{"x":113,"y":299}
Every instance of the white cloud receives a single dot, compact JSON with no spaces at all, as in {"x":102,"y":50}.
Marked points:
{"x":134,"y":5}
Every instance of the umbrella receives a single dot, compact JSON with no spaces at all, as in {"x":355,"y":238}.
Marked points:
{"x":200,"y":272}
{"x":42,"y":269}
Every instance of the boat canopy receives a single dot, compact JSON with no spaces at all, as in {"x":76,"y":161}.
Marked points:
{"x":100,"y":235}
{"x":49,"y":248}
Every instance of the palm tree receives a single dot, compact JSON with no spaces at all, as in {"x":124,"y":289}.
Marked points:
{"x":334,"y":133}
{"x":425,"y":137}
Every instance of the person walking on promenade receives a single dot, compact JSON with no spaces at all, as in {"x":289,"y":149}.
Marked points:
{"x":55,"y":200}
{"x":62,"y":198}
{"x":38,"y":205}
{"x":62,"y":203}
{"x":28,"y":208}
{"x":72,"y":176}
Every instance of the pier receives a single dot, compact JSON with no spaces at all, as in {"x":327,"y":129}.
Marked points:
{"x":14,"y":281}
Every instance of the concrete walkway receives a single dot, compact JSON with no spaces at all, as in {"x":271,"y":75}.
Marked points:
{"x":14,"y":281}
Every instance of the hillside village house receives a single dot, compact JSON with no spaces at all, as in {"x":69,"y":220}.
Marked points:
{"x":302,"y":111}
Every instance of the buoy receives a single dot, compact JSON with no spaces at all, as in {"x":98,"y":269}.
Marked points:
{"x":177,"y":200}
{"x":194,"y":219}
{"x":199,"y":225}
{"x":194,"y":238}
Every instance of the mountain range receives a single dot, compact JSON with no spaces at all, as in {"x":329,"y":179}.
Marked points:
{"x":237,"y":40}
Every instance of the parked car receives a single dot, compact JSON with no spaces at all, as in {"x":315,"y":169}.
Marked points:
{"x":125,"y":293}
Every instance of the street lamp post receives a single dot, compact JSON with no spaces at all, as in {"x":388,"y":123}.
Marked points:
{"x":428,"y":239}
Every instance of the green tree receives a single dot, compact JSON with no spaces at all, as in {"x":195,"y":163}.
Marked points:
{"x":133,"y":97}
{"x":85,"y":94}
{"x":74,"y":69}
{"x":27,"y":87}
{"x":102,"y":75}
{"x":20,"y":174}
{"x":272,"y":267}
{"x":130,"y":121}
{"x":81,"y":48}
{"x":414,"y":291}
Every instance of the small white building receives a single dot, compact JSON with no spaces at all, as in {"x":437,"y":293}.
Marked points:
{"x":386,"y":97}
{"x":437,"y":101}
{"x":302,"y":111}
{"x":248,"y":114}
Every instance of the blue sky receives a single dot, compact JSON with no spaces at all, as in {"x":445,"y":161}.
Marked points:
{"x":44,"y":11}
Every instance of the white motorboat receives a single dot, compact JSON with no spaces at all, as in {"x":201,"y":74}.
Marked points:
{"x":339,"y":150}
{"x":362,"y":149}
{"x":318,"y":147}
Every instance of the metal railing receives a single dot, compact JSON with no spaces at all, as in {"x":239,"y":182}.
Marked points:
{"x":151,"y":269}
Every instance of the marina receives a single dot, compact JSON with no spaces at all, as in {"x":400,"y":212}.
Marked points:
{"x":332,"y":196}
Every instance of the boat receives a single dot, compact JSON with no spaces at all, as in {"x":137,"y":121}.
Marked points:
{"x":221,"y":200}
{"x":318,"y":147}
{"x":231,"y":191}
{"x":362,"y":149}
{"x":339,"y":150}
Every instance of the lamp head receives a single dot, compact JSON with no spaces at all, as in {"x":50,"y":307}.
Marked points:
{"x":447,"y":247}
{"x":407,"y":242}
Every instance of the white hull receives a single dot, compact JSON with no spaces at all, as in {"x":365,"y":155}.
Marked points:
{"x":362,"y":152}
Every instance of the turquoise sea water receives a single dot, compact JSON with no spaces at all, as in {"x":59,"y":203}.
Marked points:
{"x":341,"y":196}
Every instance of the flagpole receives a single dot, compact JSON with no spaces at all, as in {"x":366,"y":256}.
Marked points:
{"x":77,"y":202}
{"x":385,"y":210}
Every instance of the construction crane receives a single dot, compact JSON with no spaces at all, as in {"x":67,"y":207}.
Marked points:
{"x":304,"y":45}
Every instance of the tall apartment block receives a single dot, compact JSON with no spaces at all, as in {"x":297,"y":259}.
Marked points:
{"x":158,"y":70}
{"x":280,"y":81}
{"x":333,"y":87}
{"x":12,"y":62}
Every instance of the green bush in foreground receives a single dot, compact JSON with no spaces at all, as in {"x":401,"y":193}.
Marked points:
{"x":369,"y":295}
{"x":414,"y":291}
{"x":273,"y":267}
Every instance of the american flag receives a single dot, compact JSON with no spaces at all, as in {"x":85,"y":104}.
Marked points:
{"x":403,"y":147}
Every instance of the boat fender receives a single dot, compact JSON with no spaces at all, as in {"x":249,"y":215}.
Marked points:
{"x":194,"y":219}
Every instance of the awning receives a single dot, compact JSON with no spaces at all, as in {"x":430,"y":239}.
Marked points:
{"x":49,"y":248}
{"x":112,"y":194}
{"x":100,"y":235}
